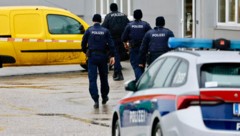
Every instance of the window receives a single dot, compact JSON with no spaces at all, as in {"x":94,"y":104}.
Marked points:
{"x":220,"y":75}
{"x":148,"y":77}
{"x":125,"y":6}
{"x":58,"y":24}
{"x":221,"y":11}
{"x":229,"y":12}
{"x":165,"y":71}
{"x":180,"y":76}
{"x":238,"y":11}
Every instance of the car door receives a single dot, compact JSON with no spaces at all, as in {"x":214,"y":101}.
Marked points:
{"x":142,"y":104}
{"x":27,"y":25}
{"x":131,"y":114}
{"x":66,"y":34}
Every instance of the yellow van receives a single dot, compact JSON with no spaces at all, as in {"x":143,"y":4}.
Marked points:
{"x":39,"y":35}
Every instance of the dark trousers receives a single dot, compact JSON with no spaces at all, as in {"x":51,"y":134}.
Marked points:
{"x":98,"y":63}
{"x":134,"y":60}
{"x":118,"y":45}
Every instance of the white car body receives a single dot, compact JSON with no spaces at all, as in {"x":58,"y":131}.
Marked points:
{"x":138,"y":113}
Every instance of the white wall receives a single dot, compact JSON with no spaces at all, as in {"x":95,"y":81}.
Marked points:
{"x":170,"y":9}
{"x":86,"y":8}
{"x":77,"y":6}
{"x":208,"y":22}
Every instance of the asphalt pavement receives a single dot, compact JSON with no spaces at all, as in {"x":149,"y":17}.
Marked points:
{"x":33,"y":70}
{"x":55,"y":101}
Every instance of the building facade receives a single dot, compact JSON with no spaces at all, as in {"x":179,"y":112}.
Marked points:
{"x":186,"y":18}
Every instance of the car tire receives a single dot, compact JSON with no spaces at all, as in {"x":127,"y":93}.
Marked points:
{"x":85,"y":67}
{"x":157,"y":131}
{"x":116,"y":129}
{"x":1,"y":64}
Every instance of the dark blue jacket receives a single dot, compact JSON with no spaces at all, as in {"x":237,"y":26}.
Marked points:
{"x":135,"y":31}
{"x":115,"y":22}
{"x":98,"y":39}
{"x":155,"y":41}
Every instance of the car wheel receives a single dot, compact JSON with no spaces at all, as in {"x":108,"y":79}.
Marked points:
{"x":84,"y":67}
{"x":116,"y":129}
{"x":1,"y":64}
{"x":157,"y":131}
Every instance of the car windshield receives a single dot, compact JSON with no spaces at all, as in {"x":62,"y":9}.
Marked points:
{"x":226,"y":75}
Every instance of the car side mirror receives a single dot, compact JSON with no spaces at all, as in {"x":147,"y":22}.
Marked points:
{"x":131,"y":86}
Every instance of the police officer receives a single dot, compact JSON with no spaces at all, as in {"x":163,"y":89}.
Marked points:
{"x":115,"y":22}
{"x":98,"y":40}
{"x":133,"y":34}
{"x":155,"y":42}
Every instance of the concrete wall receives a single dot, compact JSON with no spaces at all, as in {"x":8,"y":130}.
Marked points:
{"x":151,"y":9}
{"x":206,"y":18}
{"x":167,"y":8}
{"x":206,"y":13}
{"x":77,"y":7}
{"x":89,"y":11}
{"x":207,"y":27}
{"x":86,"y":8}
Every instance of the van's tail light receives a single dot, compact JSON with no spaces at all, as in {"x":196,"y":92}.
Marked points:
{"x":184,"y":102}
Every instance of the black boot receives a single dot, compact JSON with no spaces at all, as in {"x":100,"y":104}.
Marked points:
{"x":110,"y":67}
{"x":119,"y":77}
{"x":104,"y":101}
{"x":115,"y":73}
{"x":96,"y":105}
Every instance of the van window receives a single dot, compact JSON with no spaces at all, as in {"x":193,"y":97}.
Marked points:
{"x":27,"y":24}
{"x":59,"y":24}
{"x":4,"y":27}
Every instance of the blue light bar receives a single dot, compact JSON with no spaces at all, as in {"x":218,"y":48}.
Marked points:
{"x":235,"y":44}
{"x":198,"y":43}
{"x":189,"y":43}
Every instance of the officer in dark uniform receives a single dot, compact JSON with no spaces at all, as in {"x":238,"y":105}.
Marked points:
{"x":98,"y":40}
{"x":133,"y":34}
{"x":115,"y":22}
{"x":155,"y":42}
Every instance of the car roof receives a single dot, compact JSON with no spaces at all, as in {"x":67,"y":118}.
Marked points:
{"x":9,"y":8}
{"x":207,"y":56}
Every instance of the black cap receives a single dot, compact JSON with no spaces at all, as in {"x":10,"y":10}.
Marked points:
{"x":137,"y":14}
{"x":160,"y":21}
{"x":97,"y":18}
{"x":114,"y":7}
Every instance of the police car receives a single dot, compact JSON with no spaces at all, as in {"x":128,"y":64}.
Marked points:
{"x":185,"y":93}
